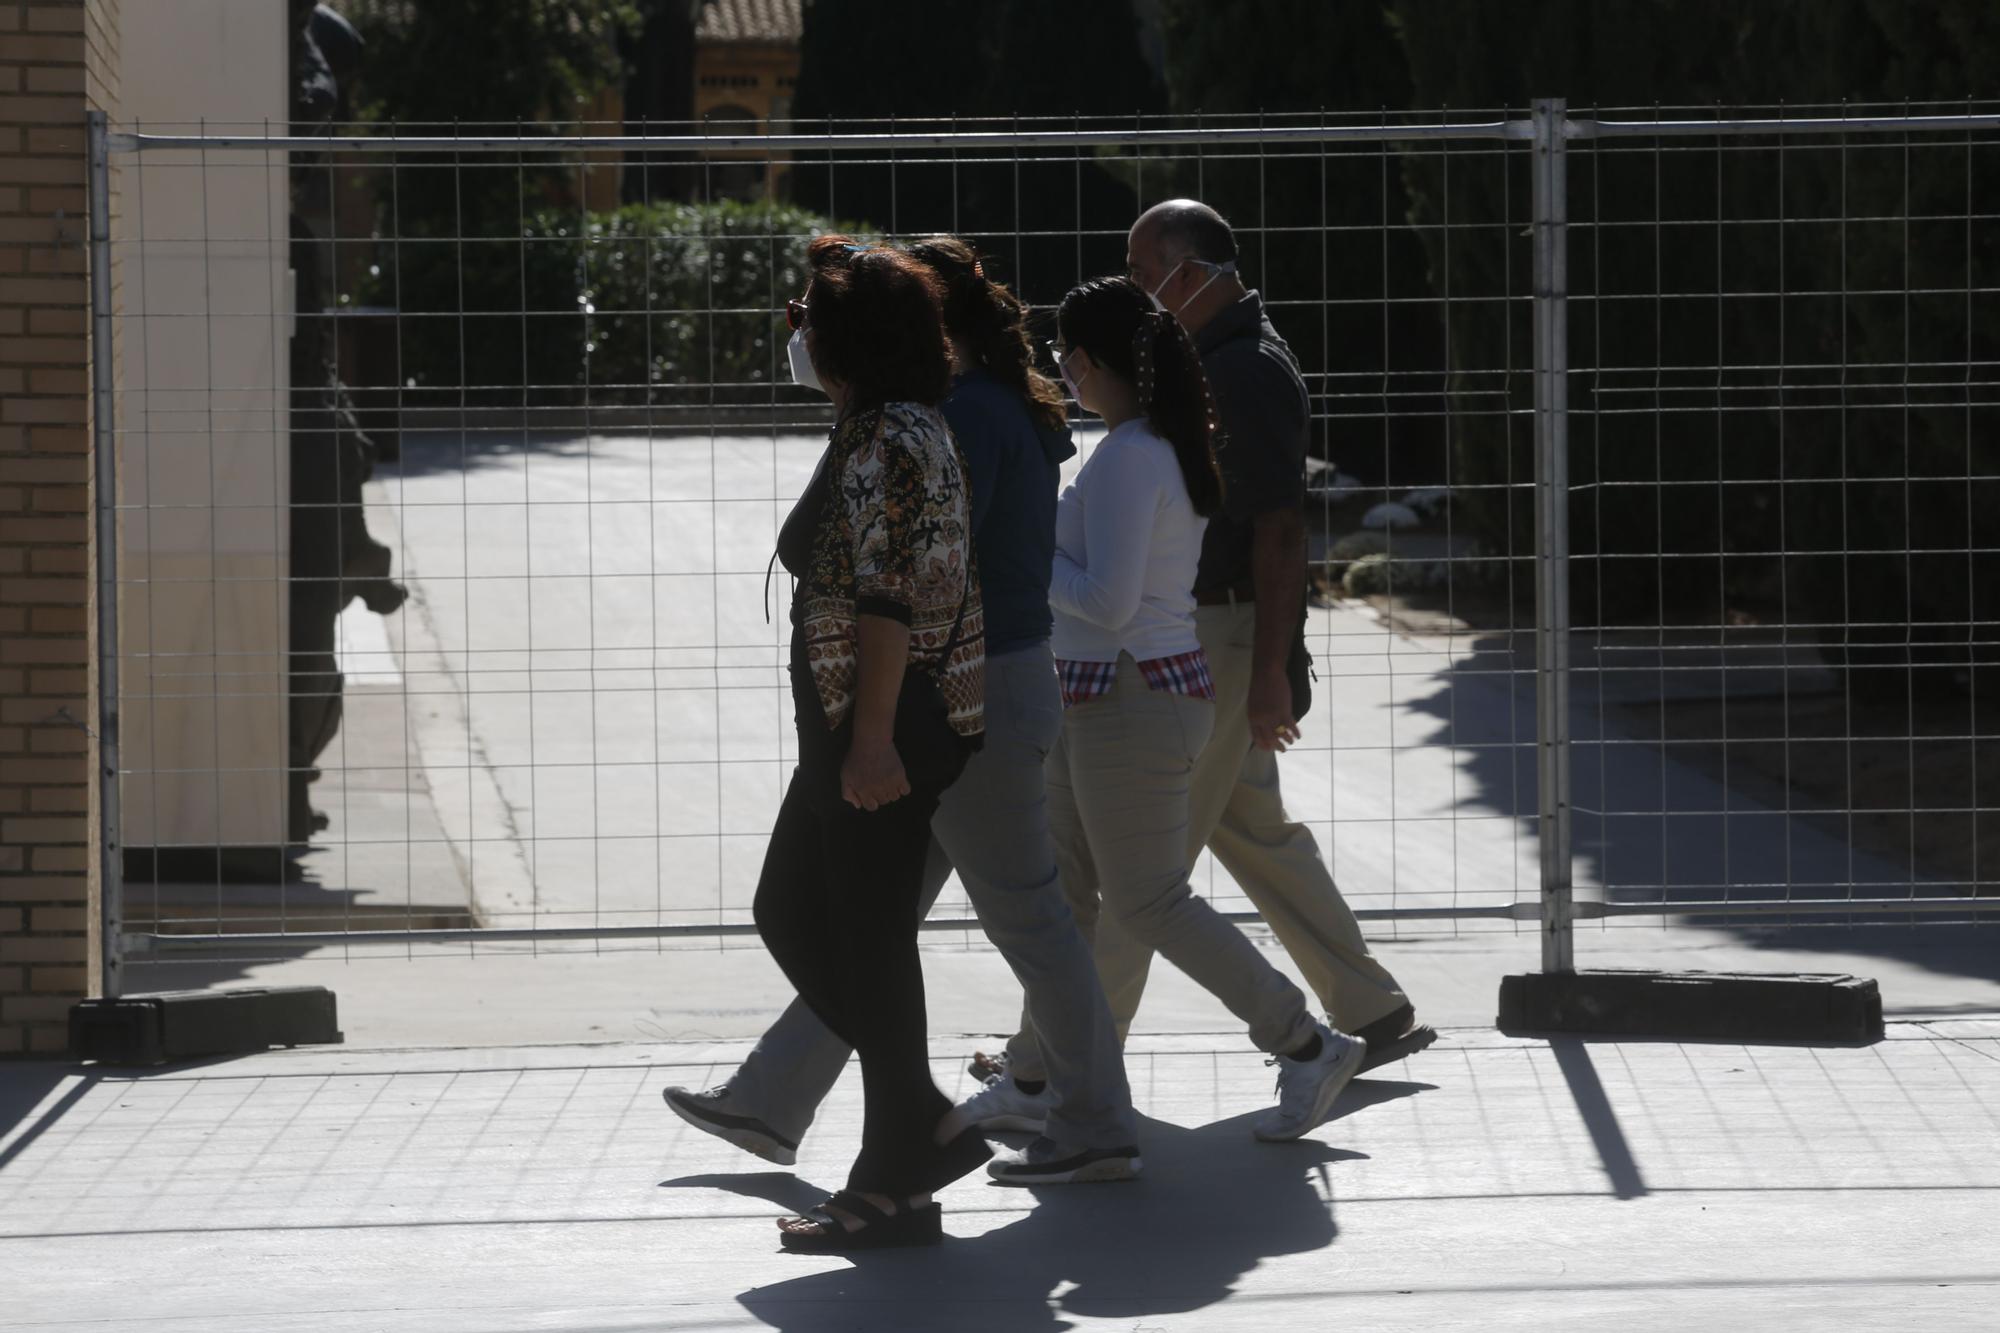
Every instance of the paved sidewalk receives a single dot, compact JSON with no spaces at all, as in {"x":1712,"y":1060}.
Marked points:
{"x":1492,"y":1182}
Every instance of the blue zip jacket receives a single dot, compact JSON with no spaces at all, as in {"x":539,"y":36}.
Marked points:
{"x":1014,"y":464}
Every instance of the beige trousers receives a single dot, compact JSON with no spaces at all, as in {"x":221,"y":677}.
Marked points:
{"x":1238,"y":812}
{"x":1118,"y":789}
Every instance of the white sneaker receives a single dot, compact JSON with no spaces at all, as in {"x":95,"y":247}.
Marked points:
{"x":1307,"y":1088}
{"x":1002,"y":1105}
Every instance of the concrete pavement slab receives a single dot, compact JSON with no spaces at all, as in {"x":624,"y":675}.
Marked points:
{"x":1492,"y":1182}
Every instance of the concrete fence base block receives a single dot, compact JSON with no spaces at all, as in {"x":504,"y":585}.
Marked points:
{"x":1720,"y":1006}
{"x":183,"y":1025}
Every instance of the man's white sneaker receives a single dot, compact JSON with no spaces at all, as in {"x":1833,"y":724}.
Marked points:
{"x":1045,"y":1162}
{"x":713,"y":1112}
{"x":1002,"y":1105}
{"x":1307,"y":1088}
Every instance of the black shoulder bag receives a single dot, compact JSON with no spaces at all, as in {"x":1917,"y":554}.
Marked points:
{"x":932,"y":751}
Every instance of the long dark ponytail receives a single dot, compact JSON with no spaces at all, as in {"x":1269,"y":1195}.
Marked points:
{"x":1115,"y":321}
{"x":993,"y":324}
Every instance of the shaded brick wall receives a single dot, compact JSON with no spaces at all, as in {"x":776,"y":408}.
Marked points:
{"x":58,"y":59}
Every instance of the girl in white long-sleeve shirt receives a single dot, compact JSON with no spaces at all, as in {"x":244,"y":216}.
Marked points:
{"x":1138,"y":702}
{"x":1127,"y":542}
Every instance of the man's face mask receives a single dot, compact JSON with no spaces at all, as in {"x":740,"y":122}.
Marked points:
{"x":1214,"y":271}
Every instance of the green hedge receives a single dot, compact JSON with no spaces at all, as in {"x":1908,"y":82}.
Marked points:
{"x":662,"y":303}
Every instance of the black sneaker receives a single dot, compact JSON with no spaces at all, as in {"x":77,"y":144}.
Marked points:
{"x":712,"y":1113}
{"x":1045,"y":1162}
{"x":1394,"y":1037}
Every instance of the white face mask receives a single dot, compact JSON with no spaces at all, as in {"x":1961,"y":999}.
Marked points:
{"x":803,"y":373}
{"x":1216,"y":271}
{"x":1075,"y":386}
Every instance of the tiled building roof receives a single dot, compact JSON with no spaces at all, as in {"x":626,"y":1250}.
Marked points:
{"x":749,"y":21}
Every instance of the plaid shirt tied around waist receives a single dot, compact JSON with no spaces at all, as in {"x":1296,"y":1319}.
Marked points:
{"x":1183,"y":673}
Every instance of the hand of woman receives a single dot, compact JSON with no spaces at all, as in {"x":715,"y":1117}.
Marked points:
{"x":871,"y":776}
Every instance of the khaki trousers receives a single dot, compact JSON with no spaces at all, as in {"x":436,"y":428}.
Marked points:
{"x":1119,"y":783}
{"x":1238,"y":812}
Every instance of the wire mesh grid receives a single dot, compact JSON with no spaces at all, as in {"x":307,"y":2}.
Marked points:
{"x":565,"y":427}
{"x":1783,"y":373}
{"x":563,"y":436}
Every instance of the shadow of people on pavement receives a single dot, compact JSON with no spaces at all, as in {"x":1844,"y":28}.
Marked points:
{"x":1213,"y":1204}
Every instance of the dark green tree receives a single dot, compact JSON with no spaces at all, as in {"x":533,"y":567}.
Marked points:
{"x":451,"y":254}
{"x":1857,"y":268}
{"x":1325,"y":233}
{"x":487,"y":62}
{"x":878,"y":65}
{"x":1789,"y":500}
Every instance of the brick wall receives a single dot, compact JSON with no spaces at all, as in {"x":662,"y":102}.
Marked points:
{"x":58,"y":58}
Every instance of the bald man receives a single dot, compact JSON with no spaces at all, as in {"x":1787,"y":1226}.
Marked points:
{"x":1250,"y":599}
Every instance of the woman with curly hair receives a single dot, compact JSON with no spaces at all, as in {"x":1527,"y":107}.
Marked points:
{"x":887,"y":654}
{"x":992,"y":824}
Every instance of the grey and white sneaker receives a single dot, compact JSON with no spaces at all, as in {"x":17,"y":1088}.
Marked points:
{"x":1001,"y":1104}
{"x":1046,"y":1162}
{"x":1307,"y":1088}
{"x":713,"y":1112}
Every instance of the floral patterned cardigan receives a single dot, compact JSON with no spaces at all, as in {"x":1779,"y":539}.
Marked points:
{"x":894,"y":539}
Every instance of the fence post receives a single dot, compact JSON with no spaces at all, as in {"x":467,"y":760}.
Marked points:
{"x":104,"y":442}
{"x":1550,"y":182}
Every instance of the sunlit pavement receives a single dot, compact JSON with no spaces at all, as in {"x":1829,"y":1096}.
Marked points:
{"x":1491,"y":1182}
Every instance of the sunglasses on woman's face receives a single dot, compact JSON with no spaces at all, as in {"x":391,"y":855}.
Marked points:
{"x":795,"y":314}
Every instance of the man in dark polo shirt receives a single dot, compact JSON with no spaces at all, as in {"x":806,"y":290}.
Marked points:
{"x":1249,"y":591}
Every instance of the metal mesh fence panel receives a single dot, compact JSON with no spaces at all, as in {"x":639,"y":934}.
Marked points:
{"x":451,"y":461}
{"x":1783,"y":352}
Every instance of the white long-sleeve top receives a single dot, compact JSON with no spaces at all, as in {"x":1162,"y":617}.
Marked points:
{"x":1127,"y":543}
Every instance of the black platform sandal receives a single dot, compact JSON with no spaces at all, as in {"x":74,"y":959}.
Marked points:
{"x":923,"y":1225}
